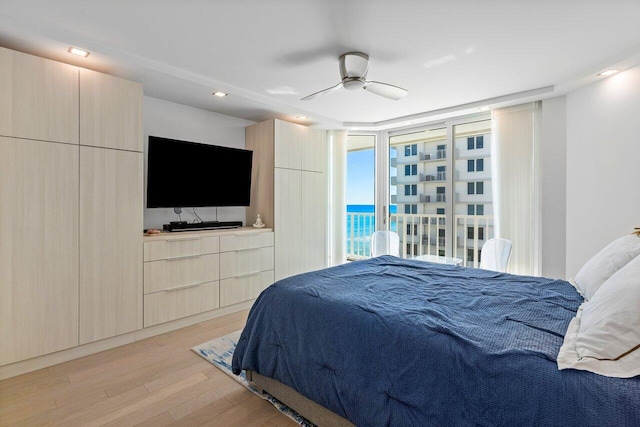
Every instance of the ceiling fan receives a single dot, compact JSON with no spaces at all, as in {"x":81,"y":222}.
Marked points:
{"x":353,"y":72}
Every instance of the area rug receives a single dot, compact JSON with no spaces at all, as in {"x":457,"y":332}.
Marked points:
{"x":219,"y":352}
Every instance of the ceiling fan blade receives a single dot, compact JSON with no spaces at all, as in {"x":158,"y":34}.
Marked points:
{"x":322,"y":92}
{"x":385,"y":89}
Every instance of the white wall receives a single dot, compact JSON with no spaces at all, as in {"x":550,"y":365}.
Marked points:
{"x":603,"y":165}
{"x":553,"y":164}
{"x":171,"y":120}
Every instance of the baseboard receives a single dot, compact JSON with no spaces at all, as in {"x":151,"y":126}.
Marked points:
{"x":41,"y":362}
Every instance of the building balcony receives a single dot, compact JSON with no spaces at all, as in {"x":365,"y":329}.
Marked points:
{"x":429,"y":198}
{"x":438,"y":177}
{"x":404,"y":179}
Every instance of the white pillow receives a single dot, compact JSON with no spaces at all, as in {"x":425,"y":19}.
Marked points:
{"x":604,"y":337}
{"x":602,"y":265}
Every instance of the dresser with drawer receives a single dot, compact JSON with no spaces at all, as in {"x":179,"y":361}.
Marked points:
{"x":187,"y":273}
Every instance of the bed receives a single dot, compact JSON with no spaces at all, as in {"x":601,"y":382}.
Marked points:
{"x":388,"y":341}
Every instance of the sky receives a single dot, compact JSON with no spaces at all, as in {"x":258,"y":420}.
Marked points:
{"x":360,"y":177}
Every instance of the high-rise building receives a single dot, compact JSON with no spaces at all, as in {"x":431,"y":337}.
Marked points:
{"x":443,"y":194}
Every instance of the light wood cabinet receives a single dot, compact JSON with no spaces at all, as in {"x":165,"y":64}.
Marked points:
{"x":38,"y":98}
{"x":288,"y":149}
{"x":289,"y":246}
{"x":178,"y":273}
{"x":246,"y":266}
{"x":289,"y":191}
{"x":314,"y":151}
{"x":313,"y":228}
{"x":111,"y":198}
{"x":38,"y":248}
{"x":170,"y":305}
{"x":189,"y":273}
{"x":70,"y":214}
{"x":110,"y":112}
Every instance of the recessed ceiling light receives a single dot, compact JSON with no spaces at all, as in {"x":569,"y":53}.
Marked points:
{"x":78,"y":51}
{"x":302,"y":117}
{"x":609,"y":72}
{"x":485,"y":108}
{"x":220,"y":94}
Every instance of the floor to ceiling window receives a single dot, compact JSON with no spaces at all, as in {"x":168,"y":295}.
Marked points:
{"x":360,"y":194}
{"x":437,"y":191}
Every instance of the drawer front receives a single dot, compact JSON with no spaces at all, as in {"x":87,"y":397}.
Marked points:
{"x":237,"y":242}
{"x":239,"y":289}
{"x":180,"y":248}
{"x":165,"y":306}
{"x":175,"y":273}
{"x":245,"y":262}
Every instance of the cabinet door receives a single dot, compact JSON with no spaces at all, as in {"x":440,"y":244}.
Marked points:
{"x":38,"y":248}
{"x":314,"y":151}
{"x":287,"y":208}
{"x":287,"y":145}
{"x":110,"y":243}
{"x":39,"y":98}
{"x":314,"y":208}
{"x":110,"y":111}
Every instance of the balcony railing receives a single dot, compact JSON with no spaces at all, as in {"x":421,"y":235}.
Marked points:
{"x":422,"y":234}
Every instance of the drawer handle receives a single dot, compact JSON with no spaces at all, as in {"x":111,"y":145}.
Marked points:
{"x":247,"y":250}
{"x":179,"y":288}
{"x":184,"y":257}
{"x":183,"y":240}
{"x":247,"y":275}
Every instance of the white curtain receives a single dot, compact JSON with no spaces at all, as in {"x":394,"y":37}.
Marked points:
{"x":337,"y":235}
{"x":515,"y":181}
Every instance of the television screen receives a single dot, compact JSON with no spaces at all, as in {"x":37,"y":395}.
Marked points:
{"x":190,"y":174}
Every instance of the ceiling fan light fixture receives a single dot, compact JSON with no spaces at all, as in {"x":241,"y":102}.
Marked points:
{"x":353,"y":84}
{"x":354,"y":67}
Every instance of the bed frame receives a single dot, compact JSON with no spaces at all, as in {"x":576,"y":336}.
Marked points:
{"x":317,"y":414}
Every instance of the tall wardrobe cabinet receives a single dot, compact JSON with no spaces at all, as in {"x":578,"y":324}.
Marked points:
{"x":289,"y":192}
{"x":70,"y":206}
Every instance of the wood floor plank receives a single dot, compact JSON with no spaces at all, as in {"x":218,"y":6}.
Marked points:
{"x":254,"y":412}
{"x":89,"y":413}
{"x":145,"y":401}
{"x":205,"y":414}
{"x":163,"y":420}
{"x":171,"y":376}
{"x":66,"y":408}
{"x":158,"y":381}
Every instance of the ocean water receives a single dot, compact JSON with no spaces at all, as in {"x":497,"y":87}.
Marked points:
{"x":360,"y":228}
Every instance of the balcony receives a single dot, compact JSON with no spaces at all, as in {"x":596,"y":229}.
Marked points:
{"x":424,"y":238}
{"x":428,"y":198}
{"x":439,"y":176}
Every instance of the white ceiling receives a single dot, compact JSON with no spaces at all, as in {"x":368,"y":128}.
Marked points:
{"x":451,"y":55}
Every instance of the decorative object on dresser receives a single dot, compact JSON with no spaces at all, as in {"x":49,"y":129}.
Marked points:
{"x":258,"y":223}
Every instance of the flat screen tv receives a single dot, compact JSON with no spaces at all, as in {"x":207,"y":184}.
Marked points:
{"x":190,"y":174}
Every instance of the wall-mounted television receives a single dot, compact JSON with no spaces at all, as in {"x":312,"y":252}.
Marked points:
{"x":190,"y":174}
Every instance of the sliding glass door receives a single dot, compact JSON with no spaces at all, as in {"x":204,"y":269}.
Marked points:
{"x":431,"y":185}
{"x":443,"y":189}
{"x":419,"y":190}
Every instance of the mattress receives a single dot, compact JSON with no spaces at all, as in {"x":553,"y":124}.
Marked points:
{"x":394,"y":342}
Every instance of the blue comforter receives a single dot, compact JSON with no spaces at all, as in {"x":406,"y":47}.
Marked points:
{"x":393,"y":342}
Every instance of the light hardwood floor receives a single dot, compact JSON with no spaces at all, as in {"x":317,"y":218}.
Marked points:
{"x":156,"y":382}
